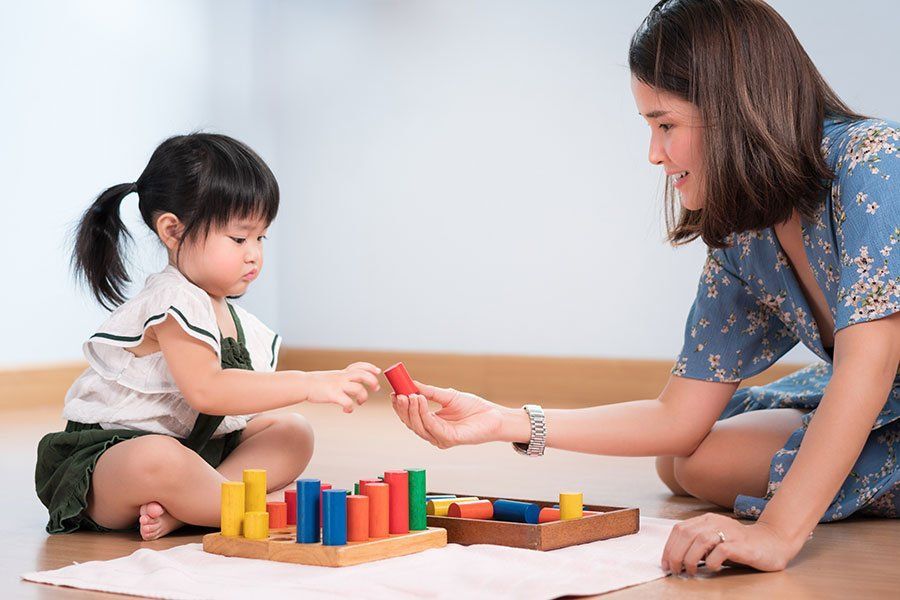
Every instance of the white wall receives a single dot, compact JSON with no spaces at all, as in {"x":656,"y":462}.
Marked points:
{"x":456,"y":175}
{"x":472,"y":176}
{"x":90,"y":88}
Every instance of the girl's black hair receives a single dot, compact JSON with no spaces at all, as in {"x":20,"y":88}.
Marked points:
{"x":204,"y":179}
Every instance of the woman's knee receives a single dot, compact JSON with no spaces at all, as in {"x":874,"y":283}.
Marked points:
{"x":686,"y":471}
{"x":665,"y":468}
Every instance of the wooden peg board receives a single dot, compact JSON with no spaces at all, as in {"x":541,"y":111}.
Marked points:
{"x":282,"y":547}
{"x":614,"y":522}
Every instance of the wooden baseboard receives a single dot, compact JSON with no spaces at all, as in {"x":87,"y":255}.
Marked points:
{"x":44,"y":385}
{"x":509,"y":380}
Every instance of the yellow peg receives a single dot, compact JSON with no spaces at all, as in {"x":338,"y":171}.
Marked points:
{"x":255,"y":483}
{"x":232,"y":507}
{"x":256,"y":525}
{"x":440,"y":506}
{"x":571,"y":505}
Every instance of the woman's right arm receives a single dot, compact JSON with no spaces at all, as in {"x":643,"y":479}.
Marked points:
{"x":210,"y":389}
{"x":672,"y":425}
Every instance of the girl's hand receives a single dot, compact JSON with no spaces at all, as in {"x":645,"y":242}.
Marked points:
{"x":343,"y":387}
{"x":757,"y":545}
{"x":462,"y":419}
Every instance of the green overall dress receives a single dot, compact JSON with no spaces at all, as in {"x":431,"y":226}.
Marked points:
{"x":66,"y":459}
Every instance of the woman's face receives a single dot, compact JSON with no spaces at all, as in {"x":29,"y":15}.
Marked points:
{"x":675,"y":139}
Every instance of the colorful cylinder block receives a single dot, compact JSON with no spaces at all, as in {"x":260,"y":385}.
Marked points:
{"x":570,"y":505}
{"x":440,"y":507}
{"x":417,"y":517}
{"x":548,"y":515}
{"x":479,"y":509}
{"x":322,"y":487}
{"x":364,"y":482}
{"x":334,"y":514}
{"x":255,"y":489}
{"x":399,"y":378}
{"x":356,"y":489}
{"x":516,"y":512}
{"x":256,"y":525}
{"x":290,"y":498}
{"x":277,"y":514}
{"x":233,"y":503}
{"x":438,"y":497}
{"x":357,"y":518}
{"x":379,"y":509}
{"x":308,"y":491}
{"x":398,"y":518}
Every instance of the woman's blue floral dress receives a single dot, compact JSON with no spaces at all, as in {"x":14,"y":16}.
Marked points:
{"x":750,"y":309}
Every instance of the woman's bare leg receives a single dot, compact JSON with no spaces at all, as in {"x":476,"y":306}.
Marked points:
{"x":156,"y":479}
{"x":665,"y":468}
{"x":733,"y":459}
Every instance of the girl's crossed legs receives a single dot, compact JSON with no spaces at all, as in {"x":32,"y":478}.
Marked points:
{"x":159,"y":482}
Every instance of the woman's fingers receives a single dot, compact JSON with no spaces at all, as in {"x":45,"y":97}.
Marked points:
{"x":443,"y":396}
{"x":418,"y":406}
{"x":699,"y":548}
{"x":439,"y":430}
{"x":400,"y":404}
{"x":721,"y":553}
{"x":677,"y":545}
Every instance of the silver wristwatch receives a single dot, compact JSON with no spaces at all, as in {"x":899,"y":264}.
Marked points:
{"x":535,"y":446}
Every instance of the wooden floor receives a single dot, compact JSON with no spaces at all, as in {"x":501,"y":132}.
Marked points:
{"x":851,"y":559}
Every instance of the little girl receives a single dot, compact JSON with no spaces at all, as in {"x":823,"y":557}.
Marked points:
{"x":167,"y":409}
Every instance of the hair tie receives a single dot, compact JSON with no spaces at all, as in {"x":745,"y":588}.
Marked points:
{"x":133,"y":188}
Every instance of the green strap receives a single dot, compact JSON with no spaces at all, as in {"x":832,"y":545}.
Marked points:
{"x":237,"y":324}
{"x":205,"y":425}
{"x":204,"y":428}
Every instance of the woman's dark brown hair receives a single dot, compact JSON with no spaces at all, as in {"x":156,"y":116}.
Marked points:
{"x":762,"y":104}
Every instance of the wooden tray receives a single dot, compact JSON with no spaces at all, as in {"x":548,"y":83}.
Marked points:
{"x":614,"y":522}
{"x":281,"y":547}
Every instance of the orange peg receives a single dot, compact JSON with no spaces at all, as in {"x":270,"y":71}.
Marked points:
{"x":379,"y":509}
{"x":277,"y":514}
{"x":357,"y":518}
{"x":479,"y":509}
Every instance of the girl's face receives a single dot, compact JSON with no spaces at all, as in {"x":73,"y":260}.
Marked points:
{"x":228,"y":260}
{"x":675,"y":139}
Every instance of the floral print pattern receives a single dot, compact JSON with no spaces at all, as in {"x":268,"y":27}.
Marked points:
{"x":750,"y":309}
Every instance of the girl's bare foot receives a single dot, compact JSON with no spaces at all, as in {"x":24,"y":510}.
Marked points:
{"x":156,"y":522}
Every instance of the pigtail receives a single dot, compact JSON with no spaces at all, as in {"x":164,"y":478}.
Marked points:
{"x":98,"y":258}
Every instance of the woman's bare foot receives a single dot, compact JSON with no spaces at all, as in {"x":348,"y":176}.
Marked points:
{"x":156,"y":522}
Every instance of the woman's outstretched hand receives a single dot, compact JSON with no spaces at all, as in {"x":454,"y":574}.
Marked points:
{"x":462,"y":418}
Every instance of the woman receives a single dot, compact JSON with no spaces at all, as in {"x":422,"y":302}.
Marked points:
{"x":798,"y":201}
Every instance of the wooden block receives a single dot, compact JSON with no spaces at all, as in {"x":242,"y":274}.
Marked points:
{"x":609,"y":522}
{"x":255,"y":487}
{"x":256,"y":525}
{"x":570,"y":506}
{"x":277,"y":514}
{"x":282,"y":547}
{"x":440,"y":506}
{"x":232,"y":510}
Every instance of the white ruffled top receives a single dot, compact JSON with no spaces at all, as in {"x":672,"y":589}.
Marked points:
{"x":122,"y":391}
